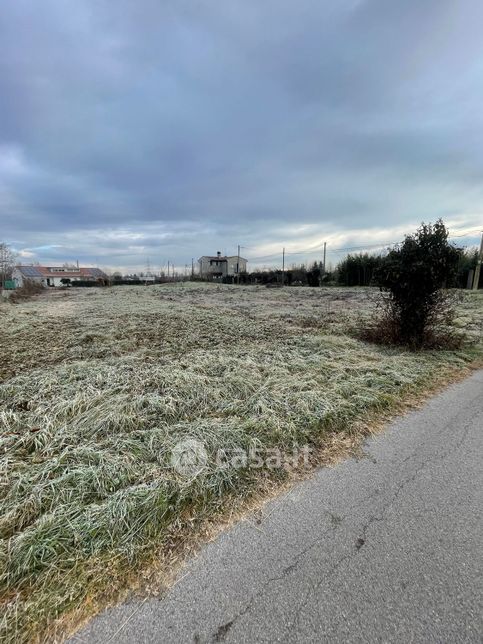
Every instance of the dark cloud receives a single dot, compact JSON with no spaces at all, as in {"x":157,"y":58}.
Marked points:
{"x":173,"y":129}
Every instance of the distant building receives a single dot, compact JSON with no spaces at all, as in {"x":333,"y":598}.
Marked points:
{"x":148,"y":278}
{"x":219,"y":266}
{"x":57,"y":275}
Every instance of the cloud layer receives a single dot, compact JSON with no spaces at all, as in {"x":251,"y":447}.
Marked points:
{"x":135,"y":130}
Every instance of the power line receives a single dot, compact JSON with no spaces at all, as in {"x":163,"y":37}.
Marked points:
{"x":313,"y":249}
{"x":469,"y":233}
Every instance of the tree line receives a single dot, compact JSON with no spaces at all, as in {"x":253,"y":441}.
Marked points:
{"x":358,"y":269}
{"x":363,"y":269}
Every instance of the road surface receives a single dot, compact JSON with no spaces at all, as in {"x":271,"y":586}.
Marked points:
{"x":386,"y":548}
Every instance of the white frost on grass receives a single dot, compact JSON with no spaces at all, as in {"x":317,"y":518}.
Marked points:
{"x":101,"y":384}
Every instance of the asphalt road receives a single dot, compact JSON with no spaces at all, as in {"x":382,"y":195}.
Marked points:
{"x":386,"y":548}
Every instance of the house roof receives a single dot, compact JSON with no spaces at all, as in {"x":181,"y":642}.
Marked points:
{"x":58,"y":271}
{"x":29,"y":271}
{"x":222,"y":258}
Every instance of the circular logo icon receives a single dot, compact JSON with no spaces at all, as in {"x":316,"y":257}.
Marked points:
{"x":189,"y":457}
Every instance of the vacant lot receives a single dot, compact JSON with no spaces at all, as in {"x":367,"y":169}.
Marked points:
{"x":99,"y":385}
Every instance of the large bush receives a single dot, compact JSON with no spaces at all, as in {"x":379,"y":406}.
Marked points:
{"x":413,"y":276}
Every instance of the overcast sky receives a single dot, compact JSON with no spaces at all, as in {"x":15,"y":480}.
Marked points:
{"x":166,"y":130}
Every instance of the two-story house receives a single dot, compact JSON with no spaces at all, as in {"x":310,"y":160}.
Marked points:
{"x":219,"y":266}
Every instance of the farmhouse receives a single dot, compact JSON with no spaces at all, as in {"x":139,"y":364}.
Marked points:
{"x":218,"y":266}
{"x":57,"y":275}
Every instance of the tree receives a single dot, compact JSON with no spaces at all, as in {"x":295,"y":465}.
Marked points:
{"x":314,"y":275}
{"x":358,"y":270}
{"x":413,"y":276}
{"x":7,"y":262}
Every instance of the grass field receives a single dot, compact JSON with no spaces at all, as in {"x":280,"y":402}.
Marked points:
{"x":98,"y":386}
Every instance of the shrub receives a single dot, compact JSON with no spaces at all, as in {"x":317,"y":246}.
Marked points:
{"x":416,"y":311}
{"x":28,"y":289}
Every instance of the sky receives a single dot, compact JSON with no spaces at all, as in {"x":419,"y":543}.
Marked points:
{"x":148,"y":130}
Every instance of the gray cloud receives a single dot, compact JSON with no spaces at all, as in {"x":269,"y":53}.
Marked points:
{"x":173,"y":129}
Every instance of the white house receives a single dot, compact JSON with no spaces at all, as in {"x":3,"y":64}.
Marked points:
{"x":219,"y":266}
{"x":57,"y":275}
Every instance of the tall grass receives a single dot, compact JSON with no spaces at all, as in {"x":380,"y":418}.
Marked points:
{"x":90,"y":417}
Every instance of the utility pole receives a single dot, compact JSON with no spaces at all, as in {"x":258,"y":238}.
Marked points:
{"x":192,"y":267}
{"x":168,"y":270}
{"x":476,"y":276}
{"x":238,"y":267}
{"x":283,"y":267}
{"x":322,"y":266}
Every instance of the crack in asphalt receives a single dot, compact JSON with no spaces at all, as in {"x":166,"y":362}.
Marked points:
{"x":223,"y":630}
{"x":359,"y":543}
{"x":362,"y":540}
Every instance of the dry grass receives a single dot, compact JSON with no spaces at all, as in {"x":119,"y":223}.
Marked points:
{"x":99,"y":385}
